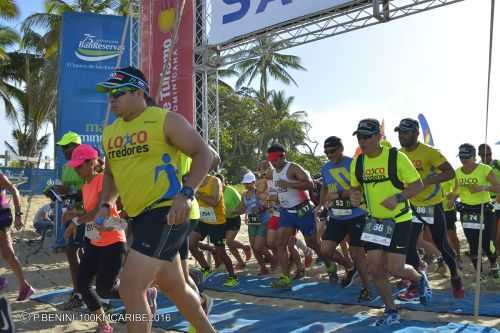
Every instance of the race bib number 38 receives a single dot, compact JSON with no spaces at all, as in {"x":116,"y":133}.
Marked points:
{"x":378,"y":231}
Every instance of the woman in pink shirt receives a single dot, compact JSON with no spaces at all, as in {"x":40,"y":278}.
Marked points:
{"x":105,"y":253}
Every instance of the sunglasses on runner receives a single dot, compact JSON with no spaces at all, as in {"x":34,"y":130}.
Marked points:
{"x":364,"y":136}
{"x":331,"y":151}
{"x":117,"y":93}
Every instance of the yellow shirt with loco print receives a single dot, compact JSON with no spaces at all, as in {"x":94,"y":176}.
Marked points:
{"x":426,"y":160}
{"x":477,"y":177}
{"x":144,"y":166}
{"x":207,"y":212}
{"x":375,"y":193}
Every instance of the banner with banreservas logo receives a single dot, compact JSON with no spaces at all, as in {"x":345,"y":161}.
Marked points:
{"x":89,"y":49}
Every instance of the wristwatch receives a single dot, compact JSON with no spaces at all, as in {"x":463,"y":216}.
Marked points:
{"x":188,"y":192}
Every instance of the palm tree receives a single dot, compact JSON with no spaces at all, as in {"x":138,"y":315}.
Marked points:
{"x":35,"y":93}
{"x":51,"y":20}
{"x":264,"y":61}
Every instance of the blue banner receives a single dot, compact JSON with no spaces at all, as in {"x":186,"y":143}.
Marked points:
{"x":89,"y":50}
{"x":29,"y":180}
{"x":426,"y":130}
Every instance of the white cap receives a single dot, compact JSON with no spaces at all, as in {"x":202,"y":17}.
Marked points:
{"x":248,"y":178}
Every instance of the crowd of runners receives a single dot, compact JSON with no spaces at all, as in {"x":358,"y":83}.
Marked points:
{"x":385,"y":213}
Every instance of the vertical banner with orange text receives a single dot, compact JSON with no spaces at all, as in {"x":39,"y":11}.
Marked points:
{"x":158,"y":22}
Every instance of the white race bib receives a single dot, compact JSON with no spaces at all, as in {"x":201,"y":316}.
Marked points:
{"x":426,"y":214}
{"x":471,"y":221}
{"x":496,"y":205}
{"x":207,"y":215}
{"x":91,"y":232}
{"x":378,"y":232}
{"x":341,"y":212}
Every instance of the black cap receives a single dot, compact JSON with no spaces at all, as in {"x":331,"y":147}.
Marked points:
{"x":124,"y":77}
{"x":332,"y":141}
{"x":368,"y":127}
{"x":407,"y":125}
{"x":466,"y":151}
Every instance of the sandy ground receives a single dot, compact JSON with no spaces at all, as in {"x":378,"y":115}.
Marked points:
{"x":48,"y":271}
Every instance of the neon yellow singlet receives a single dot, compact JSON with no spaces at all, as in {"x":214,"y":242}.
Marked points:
{"x":426,"y":160}
{"x":375,"y":193}
{"x":207,"y":211}
{"x":144,"y":166}
{"x":477,"y":177}
{"x":184,"y":167}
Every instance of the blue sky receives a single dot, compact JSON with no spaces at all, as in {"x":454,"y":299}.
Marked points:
{"x":433,"y":63}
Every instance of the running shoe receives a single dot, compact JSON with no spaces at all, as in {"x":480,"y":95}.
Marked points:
{"x":284,"y":282}
{"x":206,"y":273}
{"x":424,"y":290}
{"x":458,"y":287}
{"x":332,"y":273}
{"x":248,"y":252}
{"x":74,"y":302}
{"x":364,"y":296}
{"x":410,"y":294}
{"x":349,"y":278}
{"x":231,"y":282}
{"x":3,"y":283}
{"x":151,"y":295}
{"x":25,"y":292}
{"x":390,"y":317}
{"x":104,"y":328}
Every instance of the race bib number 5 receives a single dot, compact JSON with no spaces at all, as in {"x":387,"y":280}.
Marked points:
{"x":378,"y":231}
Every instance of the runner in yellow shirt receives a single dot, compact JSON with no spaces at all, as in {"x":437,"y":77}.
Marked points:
{"x":475,"y":181}
{"x":212,"y":224}
{"x":386,"y":179}
{"x":427,"y":205}
{"x":142,"y":146}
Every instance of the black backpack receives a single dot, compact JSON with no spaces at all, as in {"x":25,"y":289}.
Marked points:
{"x":392,"y":170}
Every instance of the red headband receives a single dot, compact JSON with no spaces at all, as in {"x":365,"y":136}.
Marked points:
{"x":271,"y":157}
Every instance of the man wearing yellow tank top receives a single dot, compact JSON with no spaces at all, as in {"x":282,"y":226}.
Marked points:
{"x":142,"y":149}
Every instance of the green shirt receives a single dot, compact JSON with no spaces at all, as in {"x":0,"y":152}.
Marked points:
{"x":375,"y":193}
{"x":71,"y":179}
{"x":232,"y":200}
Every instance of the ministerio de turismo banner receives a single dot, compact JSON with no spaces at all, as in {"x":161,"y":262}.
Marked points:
{"x":89,"y":49}
{"x":158,"y":22}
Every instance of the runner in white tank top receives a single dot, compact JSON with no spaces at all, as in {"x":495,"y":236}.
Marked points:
{"x":296,"y":211}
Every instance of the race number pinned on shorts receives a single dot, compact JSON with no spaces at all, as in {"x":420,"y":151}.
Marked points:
{"x":496,"y":205}
{"x":425,"y":213}
{"x":378,"y":231}
{"x":340,"y":208}
{"x":471,"y":221}
{"x":91,"y":231}
{"x":254,"y":219}
{"x":207,"y":215}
